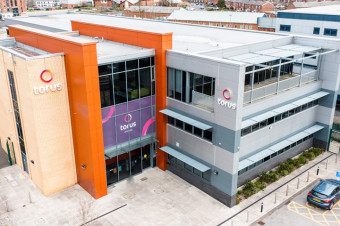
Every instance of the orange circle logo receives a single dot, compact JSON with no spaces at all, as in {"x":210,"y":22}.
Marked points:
{"x":43,"y":75}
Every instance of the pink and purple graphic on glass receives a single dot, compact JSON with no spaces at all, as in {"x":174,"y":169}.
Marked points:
{"x":119,"y":125}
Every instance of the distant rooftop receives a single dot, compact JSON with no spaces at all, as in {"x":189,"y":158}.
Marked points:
{"x":216,"y":16}
{"x":152,"y":9}
{"x":322,"y":10}
{"x":314,"y":4}
{"x":186,"y":37}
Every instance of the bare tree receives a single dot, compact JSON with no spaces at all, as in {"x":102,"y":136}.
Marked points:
{"x":85,"y":209}
{"x":30,"y":3}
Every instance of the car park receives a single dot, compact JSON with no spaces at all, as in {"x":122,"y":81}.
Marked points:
{"x":325,"y":194}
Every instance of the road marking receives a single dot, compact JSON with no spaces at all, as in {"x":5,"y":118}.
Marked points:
{"x":328,"y":216}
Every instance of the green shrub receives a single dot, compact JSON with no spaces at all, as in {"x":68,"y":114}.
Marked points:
{"x":284,"y":173}
{"x":264,"y":177}
{"x":238,"y":200}
{"x":296,"y":163}
{"x":239,"y":192}
{"x":260,"y":184}
{"x":274,"y":176}
{"x":302,"y":160}
{"x":249,"y":189}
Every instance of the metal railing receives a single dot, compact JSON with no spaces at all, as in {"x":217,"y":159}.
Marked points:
{"x":203,"y":100}
{"x":277,"y":87}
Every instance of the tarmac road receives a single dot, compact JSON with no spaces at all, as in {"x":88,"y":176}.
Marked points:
{"x":299,"y":212}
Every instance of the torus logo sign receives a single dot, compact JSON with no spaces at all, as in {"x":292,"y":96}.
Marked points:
{"x":226,"y":103}
{"x":46,"y":76}
{"x":128,"y":127}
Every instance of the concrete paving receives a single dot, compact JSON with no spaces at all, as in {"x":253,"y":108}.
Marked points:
{"x":153,"y":197}
{"x":3,"y":159}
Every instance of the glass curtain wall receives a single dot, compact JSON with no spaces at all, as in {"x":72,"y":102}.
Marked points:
{"x":127,"y":93}
{"x":17,"y":119}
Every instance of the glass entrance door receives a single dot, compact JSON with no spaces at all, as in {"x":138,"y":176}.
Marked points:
{"x":128,"y":164}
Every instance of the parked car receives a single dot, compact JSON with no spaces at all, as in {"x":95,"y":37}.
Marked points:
{"x":325,"y":194}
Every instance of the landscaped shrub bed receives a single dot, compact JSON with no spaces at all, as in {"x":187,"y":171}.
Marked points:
{"x":284,"y":168}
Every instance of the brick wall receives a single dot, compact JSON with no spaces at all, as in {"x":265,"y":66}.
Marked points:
{"x":233,"y":25}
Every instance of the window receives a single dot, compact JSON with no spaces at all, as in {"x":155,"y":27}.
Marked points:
{"x":207,"y":134}
{"x":316,"y":31}
{"x":106,"y":91}
{"x":235,"y":26}
{"x":188,"y":128}
{"x":330,"y":32}
{"x":178,"y":88}
{"x":250,"y":27}
{"x":285,"y":27}
{"x":179,"y":124}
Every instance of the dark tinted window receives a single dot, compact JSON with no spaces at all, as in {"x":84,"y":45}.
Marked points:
{"x":316,"y":31}
{"x":120,"y":87}
{"x":105,"y":69}
{"x":132,"y":64}
{"x":285,"y":28}
{"x":106,"y":91}
{"x":144,"y":62}
{"x":330,"y":32}
{"x":118,"y":67}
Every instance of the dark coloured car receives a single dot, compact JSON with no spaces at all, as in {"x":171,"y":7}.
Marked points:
{"x":325,"y":194}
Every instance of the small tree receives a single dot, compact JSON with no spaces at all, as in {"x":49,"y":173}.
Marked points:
{"x":221,"y":4}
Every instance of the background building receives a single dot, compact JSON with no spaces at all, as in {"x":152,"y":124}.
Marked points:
{"x":242,"y":20}
{"x":150,"y":12}
{"x":13,"y":6}
{"x":47,"y":4}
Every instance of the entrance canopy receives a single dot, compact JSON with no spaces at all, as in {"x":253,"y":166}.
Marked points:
{"x":190,"y":161}
{"x":129,"y":146}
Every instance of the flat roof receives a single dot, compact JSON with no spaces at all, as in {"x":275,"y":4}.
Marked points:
{"x":108,"y":51}
{"x":322,"y":10}
{"x":216,"y":16}
{"x":186,"y":37}
{"x":19,"y":49}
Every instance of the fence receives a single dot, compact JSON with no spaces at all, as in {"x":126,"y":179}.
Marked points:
{"x":203,"y":100}
{"x":276,"y":87}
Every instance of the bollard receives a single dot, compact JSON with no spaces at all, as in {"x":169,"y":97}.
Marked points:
{"x":287,"y":190}
{"x":275,"y":198}
{"x":261,"y":207}
{"x":247,"y":216}
{"x":298,"y":183}
{"x":29,"y":197}
{"x":317,"y":171}
{"x":308,"y":177}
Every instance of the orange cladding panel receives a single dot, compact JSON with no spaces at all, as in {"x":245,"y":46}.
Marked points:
{"x":84,"y":98}
{"x":158,"y":41}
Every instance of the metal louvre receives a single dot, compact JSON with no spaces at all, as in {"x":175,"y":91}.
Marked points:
{"x":244,"y":163}
{"x":313,"y":129}
{"x":190,"y":161}
{"x":318,"y":95}
{"x":186,"y":119}
{"x":261,"y":155}
{"x":280,"y":145}
{"x":275,"y":148}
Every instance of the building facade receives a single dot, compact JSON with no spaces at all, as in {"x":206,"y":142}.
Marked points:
{"x":240,"y":20}
{"x":13,"y":6}
{"x":47,"y":4}
{"x":214,"y":110}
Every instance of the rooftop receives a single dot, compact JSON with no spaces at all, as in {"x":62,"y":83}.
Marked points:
{"x":108,"y":51}
{"x":322,"y":10}
{"x":314,"y":4}
{"x":186,"y":37}
{"x":216,"y":16}
{"x":21,"y":50}
{"x":152,"y":9}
